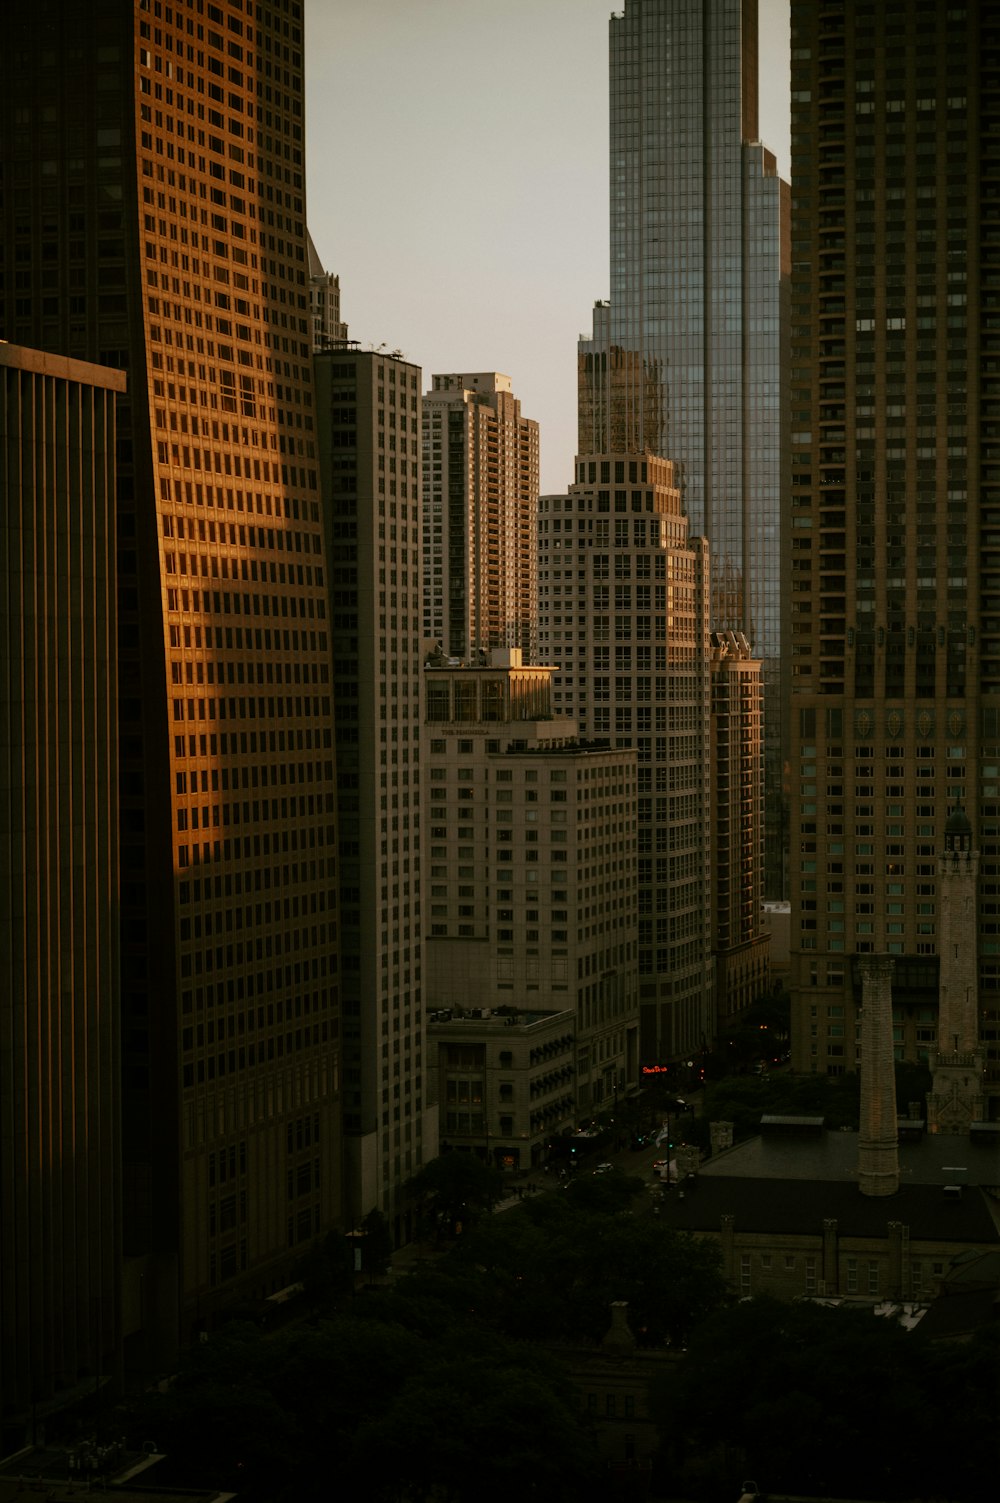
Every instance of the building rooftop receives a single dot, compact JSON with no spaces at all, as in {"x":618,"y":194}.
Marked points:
{"x":788,"y":1207}
{"x":934,"y":1159}
{"x":521,"y":1017}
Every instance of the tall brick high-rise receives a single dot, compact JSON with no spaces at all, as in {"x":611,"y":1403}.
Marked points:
{"x":895,"y":518}
{"x":154,"y":218}
{"x":480,"y":517}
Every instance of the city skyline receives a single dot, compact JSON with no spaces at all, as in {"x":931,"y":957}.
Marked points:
{"x":481,"y":289}
{"x":361,"y":803}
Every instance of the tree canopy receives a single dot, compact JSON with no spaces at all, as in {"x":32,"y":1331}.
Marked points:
{"x":407,"y":1416}
{"x":831,"y":1401}
{"x":454,"y":1190}
{"x":553,"y":1268}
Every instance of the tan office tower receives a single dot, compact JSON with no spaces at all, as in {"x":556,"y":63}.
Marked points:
{"x":742,"y":949}
{"x":154,"y":211}
{"x":895,"y":524}
{"x":60,"y":1165}
{"x":480,"y":461}
{"x":369,"y":426}
{"x":623,"y":611}
{"x":324,"y":303}
{"x":532,"y":879}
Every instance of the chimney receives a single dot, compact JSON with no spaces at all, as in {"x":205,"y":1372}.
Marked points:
{"x":878,"y":1139}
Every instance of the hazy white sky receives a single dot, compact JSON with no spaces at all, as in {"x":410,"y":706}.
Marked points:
{"x":457,"y":159}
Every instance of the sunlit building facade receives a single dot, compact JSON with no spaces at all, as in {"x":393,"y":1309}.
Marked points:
{"x":153,"y":218}
{"x":480,"y":513}
{"x":623,"y":612}
{"x":328,"y":330}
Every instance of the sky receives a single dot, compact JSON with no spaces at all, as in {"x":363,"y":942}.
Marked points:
{"x":457,"y":182}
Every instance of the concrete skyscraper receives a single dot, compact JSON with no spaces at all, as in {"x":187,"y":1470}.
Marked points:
{"x":686,"y":359}
{"x":60,"y":1149}
{"x":623,"y":610}
{"x":480,"y":513}
{"x":154,"y":218}
{"x":369,"y":429}
{"x":895,"y":523}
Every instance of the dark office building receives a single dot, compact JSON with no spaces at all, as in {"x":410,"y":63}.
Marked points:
{"x":895,"y":523}
{"x":60,"y":1179}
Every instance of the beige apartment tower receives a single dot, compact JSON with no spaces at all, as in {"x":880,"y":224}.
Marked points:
{"x":369,"y":435}
{"x":623,"y":612}
{"x":532,"y":870}
{"x":480,"y":468}
{"x":158,"y":224}
{"x":60,"y":1138}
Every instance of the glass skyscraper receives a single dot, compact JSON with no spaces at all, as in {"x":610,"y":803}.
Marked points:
{"x":685,"y":360}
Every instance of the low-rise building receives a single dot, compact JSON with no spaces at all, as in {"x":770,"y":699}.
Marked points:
{"x":530,"y":850}
{"x":788,"y":1214}
{"x":504,"y":1080}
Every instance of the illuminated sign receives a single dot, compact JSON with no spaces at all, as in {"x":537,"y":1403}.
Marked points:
{"x":655,"y":1069}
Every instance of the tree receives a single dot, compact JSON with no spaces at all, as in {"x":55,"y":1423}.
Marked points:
{"x":376,"y":1243}
{"x":816,"y":1400}
{"x":479,"y":1422}
{"x":555,"y":1266}
{"x":326,"y":1272}
{"x":451,"y":1415}
{"x":455,"y":1189}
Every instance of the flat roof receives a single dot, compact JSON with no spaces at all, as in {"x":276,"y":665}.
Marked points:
{"x":799,"y":1207}
{"x":522,"y":1017}
{"x":832,"y":1156}
{"x":45,"y":363}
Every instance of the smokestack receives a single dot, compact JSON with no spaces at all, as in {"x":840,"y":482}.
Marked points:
{"x":878,"y":1139}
